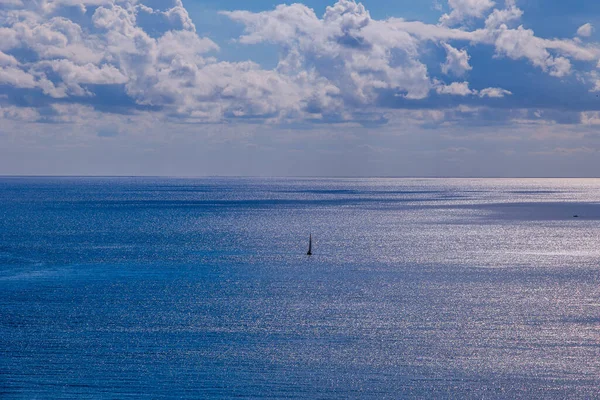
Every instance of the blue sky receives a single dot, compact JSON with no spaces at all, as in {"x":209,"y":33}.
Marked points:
{"x":204,"y":87}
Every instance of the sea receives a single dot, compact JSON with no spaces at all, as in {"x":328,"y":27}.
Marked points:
{"x":157,"y":288}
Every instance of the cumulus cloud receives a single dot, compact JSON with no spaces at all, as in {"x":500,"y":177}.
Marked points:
{"x":462,"y":89}
{"x":7,"y":60}
{"x":590,"y":118}
{"x":522,"y":43}
{"x":15,"y":77}
{"x":464,"y":9}
{"x":505,"y":16}
{"x":346,"y":47}
{"x":333,"y":67}
{"x":457,"y":61}
{"x":551,"y":55}
{"x":24,"y":114}
{"x":494,"y":93}
{"x":585,"y":30}
{"x":455,"y":88}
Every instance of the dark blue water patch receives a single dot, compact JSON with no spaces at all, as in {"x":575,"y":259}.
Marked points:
{"x":367,"y":192}
{"x":583,"y":320}
{"x":534,"y":192}
{"x":542,"y":211}
{"x":240,"y":204}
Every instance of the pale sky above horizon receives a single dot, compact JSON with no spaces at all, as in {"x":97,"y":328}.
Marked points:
{"x":377,"y":88}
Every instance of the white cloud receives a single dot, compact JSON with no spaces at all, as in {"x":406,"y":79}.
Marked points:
{"x":462,"y":89}
{"x":457,"y":61}
{"x":590,"y":118}
{"x":9,"y":38}
{"x":494,"y":92}
{"x":331,"y":67}
{"x":585,"y":30}
{"x":504,"y":16}
{"x":514,"y":43}
{"x":16,"y":77}
{"x":346,"y":47}
{"x":71,"y":113}
{"x":522,"y":43}
{"x":6,"y":60}
{"x":455,"y":89}
{"x":73,"y":75}
{"x":25,"y":114}
{"x":559,"y":66}
{"x":11,"y":3}
{"x":465,"y":9}
{"x":596,"y":87}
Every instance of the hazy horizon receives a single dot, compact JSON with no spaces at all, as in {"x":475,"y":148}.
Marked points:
{"x":304,"y":177}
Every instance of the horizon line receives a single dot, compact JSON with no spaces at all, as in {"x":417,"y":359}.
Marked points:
{"x":294,"y":176}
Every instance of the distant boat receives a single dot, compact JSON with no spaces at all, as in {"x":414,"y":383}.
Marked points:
{"x":309,"y":245}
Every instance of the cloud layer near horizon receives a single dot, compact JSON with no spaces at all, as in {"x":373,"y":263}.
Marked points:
{"x":129,"y":56}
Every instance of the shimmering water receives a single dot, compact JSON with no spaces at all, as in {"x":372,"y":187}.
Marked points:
{"x":199,"y":288}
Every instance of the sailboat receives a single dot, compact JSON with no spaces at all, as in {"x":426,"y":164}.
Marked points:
{"x":309,"y":245}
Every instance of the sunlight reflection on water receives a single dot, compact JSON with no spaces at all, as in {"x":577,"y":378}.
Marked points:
{"x":200,"y":288}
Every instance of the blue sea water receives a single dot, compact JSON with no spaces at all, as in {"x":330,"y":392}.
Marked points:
{"x":200,"y":288}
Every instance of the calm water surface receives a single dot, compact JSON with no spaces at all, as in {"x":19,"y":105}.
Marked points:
{"x":199,"y":288}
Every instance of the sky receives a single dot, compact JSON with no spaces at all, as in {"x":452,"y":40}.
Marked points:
{"x":464,"y":88}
